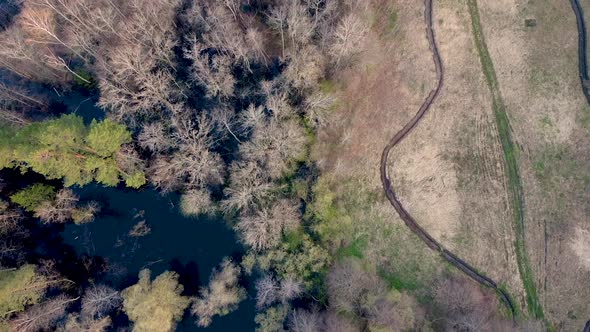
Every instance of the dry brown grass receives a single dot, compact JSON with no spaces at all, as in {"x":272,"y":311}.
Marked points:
{"x":537,"y":72}
{"x":374,"y":105}
{"x":378,"y":95}
{"x":448,"y":172}
{"x":451,"y":166}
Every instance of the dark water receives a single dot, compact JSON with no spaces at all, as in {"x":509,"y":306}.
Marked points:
{"x":192,"y":247}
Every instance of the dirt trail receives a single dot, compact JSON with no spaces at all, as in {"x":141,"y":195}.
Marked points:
{"x":582,"y":59}
{"x":404,"y":215}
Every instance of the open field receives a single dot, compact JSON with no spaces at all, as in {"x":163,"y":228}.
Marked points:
{"x":450,"y":170}
{"x":457,"y":193}
{"x":512,"y":173}
{"x":450,"y":173}
{"x":537,"y":74}
{"x":374,"y":105}
{"x":465,"y":178}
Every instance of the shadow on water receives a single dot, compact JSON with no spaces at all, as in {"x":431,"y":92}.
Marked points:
{"x":192,"y":247}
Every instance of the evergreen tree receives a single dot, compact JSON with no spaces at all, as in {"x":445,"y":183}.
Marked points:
{"x":66,"y":148}
{"x":19,"y":288}
{"x":31,"y":197}
{"x":106,"y":137}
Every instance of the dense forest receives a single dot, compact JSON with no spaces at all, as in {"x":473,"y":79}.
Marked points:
{"x":219,"y":101}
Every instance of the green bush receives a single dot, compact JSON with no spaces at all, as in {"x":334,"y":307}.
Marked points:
{"x":30,"y":197}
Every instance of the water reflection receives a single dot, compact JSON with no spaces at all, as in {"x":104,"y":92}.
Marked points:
{"x":190,"y":246}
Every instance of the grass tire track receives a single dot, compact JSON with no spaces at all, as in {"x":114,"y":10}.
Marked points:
{"x":511,"y":165}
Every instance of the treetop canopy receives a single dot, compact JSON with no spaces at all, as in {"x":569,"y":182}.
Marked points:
{"x":65,"y":148}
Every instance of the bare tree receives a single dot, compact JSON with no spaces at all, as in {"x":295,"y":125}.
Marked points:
{"x":323,"y":10}
{"x":9,"y":219}
{"x":26,"y":59}
{"x":269,"y":290}
{"x":253,"y":117}
{"x":278,"y":20}
{"x":259,"y":231}
{"x":352,"y":290}
{"x":75,"y":323}
{"x":195,"y":141}
{"x":89,"y":25}
{"x":225,"y":122}
{"x":8,"y":114}
{"x":305,"y":321}
{"x":83,"y":23}
{"x":42,"y":316}
{"x":255,"y":38}
{"x":40,"y":25}
{"x":346,"y":283}
{"x":214,"y":74}
{"x":194,"y":164}
{"x":466,"y":306}
{"x":128,"y":42}
{"x":318,"y":106}
{"x":276,"y":139}
{"x":154,"y":138}
{"x":134,"y":87}
{"x":396,"y":315}
{"x":221,"y":296}
{"x":278,"y":104}
{"x":249,"y":185}
{"x":290,"y":288}
{"x":221,"y":30}
{"x":165,"y":175}
{"x":65,"y":207}
{"x":21,"y":96}
{"x":306,"y":68}
{"x":58,"y":210}
{"x":339,"y":323}
{"x":85,"y":213}
{"x":266,"y":291}
{"x":275,"y":145}
{"x":263,"y":230}
{"x":294,"y":25}
{"x":100,"y":300}
{"x":11,"y":235}
{"x":300,"y":28}
{"x":195,"y":202}
{"x":348,"y":38}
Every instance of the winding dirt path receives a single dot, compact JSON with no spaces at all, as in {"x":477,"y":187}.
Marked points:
{"x":404,"y":215}
{"x":582,"y":43}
